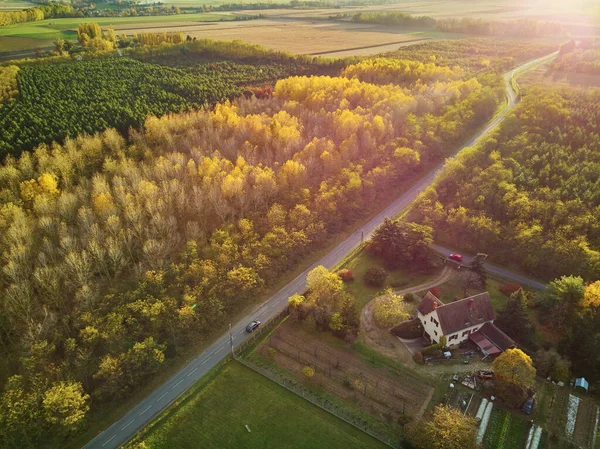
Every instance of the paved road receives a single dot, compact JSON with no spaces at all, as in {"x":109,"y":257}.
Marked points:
{"x":159,"y":399}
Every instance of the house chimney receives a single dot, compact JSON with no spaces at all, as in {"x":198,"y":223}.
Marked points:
{"x":435,"y":305}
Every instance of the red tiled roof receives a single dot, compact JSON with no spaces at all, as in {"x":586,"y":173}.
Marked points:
{"x":489,"y":347}
{"x":465,"y":313}
{"x":427,"y":304}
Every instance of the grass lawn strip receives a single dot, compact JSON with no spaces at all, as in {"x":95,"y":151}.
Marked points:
{"x":216,"y":416}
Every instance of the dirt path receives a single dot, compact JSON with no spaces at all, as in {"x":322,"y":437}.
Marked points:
{"x":382,"y":340}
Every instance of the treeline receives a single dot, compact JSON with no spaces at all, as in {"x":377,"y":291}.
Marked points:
{"x":513,"y":28}
{"x":118,"y":253}
{"x":465,"y":25}
{"x":394,"y":19}
{"x":473,"y":55}
{"x":8,"y":83}
{"x":579,"y":57}
{"x":35,"y":14}
{"x":530,"y":194}
{"x":400,"y":71}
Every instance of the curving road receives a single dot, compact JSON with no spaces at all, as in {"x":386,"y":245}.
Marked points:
{"x":139,"y":416}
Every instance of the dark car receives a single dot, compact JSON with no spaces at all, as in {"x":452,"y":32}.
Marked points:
{"x":253,"y":326}
{"x":456,"y":257}
{"x":528,"y":406}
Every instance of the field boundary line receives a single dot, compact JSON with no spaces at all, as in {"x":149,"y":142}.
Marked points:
{"x":322,"y":403}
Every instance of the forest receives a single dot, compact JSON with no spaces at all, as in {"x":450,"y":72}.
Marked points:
{"x":117,"y":252}
{"x":579,"y":57}
{"x":56,"y":100}
{"x":529,"y":194}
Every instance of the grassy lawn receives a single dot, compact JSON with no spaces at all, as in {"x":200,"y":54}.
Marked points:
{"x":397,"y":279}
{"x":221,"y":405}
{"x":55,"y":28}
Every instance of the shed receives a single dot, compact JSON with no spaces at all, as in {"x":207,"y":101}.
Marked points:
{"x":581,"y":382}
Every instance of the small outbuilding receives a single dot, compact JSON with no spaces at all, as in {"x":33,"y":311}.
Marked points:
{"x":582,"y":383}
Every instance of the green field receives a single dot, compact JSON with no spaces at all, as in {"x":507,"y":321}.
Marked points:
{"x":215,"y":415}
{"x":62,"y":28}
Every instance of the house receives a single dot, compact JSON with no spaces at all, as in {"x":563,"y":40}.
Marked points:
{"x":467,"y":319}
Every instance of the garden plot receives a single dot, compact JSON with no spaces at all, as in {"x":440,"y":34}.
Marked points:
{"x":505,"y":431}
{"x":574,"y":418}
{"x":340,"y":372}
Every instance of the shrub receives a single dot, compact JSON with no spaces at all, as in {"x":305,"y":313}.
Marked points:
{"x":346,"y":275}
{"x":418,"y":357}
{"x":375,"y":276}
{"x":308,"y":371}
{"x":346,"y":383}
{"x":358,"y":385}
{"x":435,"y":291}
{"x":408,"y":329}
{"x":272,"y":352}
{"x":509,"y":288}
{"x":409,"y":297}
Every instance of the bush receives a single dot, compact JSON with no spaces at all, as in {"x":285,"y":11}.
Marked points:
{"x":375,"y":276}
{"x":409,"y":297}
{"x":509,"y":288}
{"x":418,"y":357}
{"x":308,"y":371}
{"x":272,"y":352}
{"x":408,"y":329}
{"x":346,"y":275}
{"x":358,"y":385}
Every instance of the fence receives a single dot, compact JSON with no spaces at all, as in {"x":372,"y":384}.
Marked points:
{"x":266,"y":327}
{"x":323,"y":403}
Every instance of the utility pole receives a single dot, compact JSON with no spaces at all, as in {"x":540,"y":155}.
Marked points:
{"x":362,"y":236}
{"x":231,"y":341}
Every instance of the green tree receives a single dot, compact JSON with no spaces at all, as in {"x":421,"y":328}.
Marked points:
{"x":549,"y":363}
{"x":514,"y":318}
{"x":561,"y":297}
{"x":446,"y":428}
{"x":325,"y":287}
{"x":336,"y":322}
{"x":402,"y":244}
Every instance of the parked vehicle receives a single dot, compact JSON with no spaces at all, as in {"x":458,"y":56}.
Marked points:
{"x":456,"y":257}
{"x":253,"y":326}
{"x":528,"y":406}
{"x":485,"y":374}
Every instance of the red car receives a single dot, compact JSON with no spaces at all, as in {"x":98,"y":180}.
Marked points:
{"x":456,"y":257}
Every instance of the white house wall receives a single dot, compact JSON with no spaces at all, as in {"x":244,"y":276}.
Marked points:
{"x":434,"y":330}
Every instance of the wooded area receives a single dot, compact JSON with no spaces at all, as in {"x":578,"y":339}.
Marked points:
{"x":117,"y":252}
{"x":529,"y":195}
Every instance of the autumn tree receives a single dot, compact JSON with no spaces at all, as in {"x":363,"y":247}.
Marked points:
{"x":560,"y":299}
{"x":324,"y":286}
{"x":549,"y":363}
{"x":515,"y":375}
{"x":446,"y":428}
{"x":390,"y":309}
{"x":65,"y":405}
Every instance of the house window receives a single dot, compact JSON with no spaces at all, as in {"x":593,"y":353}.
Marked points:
{"x":435,"y":332}
{"x":453,"y":337}
{"x":465,"y":333}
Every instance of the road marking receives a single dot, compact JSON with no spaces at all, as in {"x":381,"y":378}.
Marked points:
{"x":177,"y":383}
{"x":192,"y":372}
{"x":127,"y":425}
{"x":111,"y":438}
{"x":204,"y":362}
{"x":163,"y":395}
{"x":146,"y":409}
{"x":272,"y":305}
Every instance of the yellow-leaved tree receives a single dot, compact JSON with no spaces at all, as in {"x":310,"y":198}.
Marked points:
{"x":515,"y":375}
{"x":447,"y":428}
{"x":390,"y":309}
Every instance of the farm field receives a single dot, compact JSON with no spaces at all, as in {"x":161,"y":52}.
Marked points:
{"x":216,"y":413}
{"x":541,"y":76}
{"x":379,"y":391}
{"x":65,"y":27}
{"x":303,"y":36}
